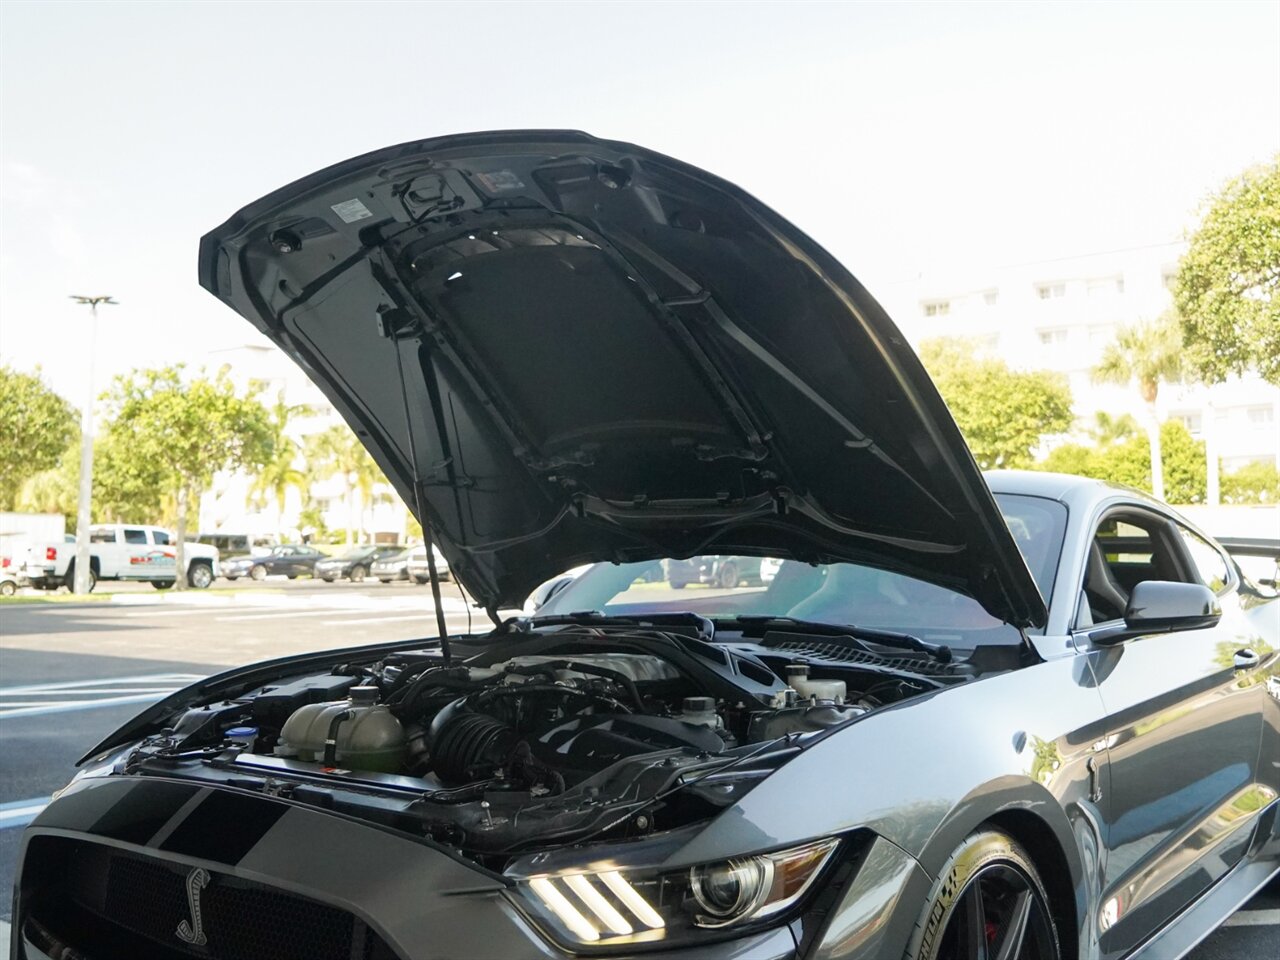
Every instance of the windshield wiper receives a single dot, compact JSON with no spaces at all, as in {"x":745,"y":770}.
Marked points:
{"x":885,"y":638}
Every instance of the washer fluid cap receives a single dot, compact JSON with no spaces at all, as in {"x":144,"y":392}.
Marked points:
{"x":698,"y":704}
{"x":242,"y":732}
{"x":364,"y":696}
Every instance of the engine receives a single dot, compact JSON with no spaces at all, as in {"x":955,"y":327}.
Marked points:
{"x":540,"y":740}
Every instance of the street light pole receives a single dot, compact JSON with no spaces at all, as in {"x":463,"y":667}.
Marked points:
{"x":82,"y":584}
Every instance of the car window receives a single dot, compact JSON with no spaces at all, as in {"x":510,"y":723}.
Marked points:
{"x":135,"y":536}
{"x":1126,"y":550}
{"x":1209,"y":563}
{"x":160,"y":536}
{"x":1038,"y":526}
{"x":102,"y":536}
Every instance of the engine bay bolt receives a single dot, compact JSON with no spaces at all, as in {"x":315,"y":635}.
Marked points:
{"x":488,"y":817}
{"x":642,"y":822}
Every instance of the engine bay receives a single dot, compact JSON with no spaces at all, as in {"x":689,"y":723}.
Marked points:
{"x":530,"y":739}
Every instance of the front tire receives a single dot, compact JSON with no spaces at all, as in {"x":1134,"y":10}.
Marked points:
{"x":162,"y":584}
{"x":258,"y":573}
{"x":357,"y":574}
{"x":8,"y":588}
{"x":200,"y":576}
{"x":728,"y":576}
{"x":988,"y":902}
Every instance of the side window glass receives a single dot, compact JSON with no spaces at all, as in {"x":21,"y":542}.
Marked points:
{"x":135,"y":536}
{"x":160,"y":536}
{"x":102,"y":536}
{"x":1209,"y":564}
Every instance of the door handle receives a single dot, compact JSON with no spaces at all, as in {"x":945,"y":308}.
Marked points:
{"x":1246,"y":659}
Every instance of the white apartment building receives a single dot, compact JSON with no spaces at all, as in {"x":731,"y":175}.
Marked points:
{"x":230,"y":507}
{"x":1060,"y":315}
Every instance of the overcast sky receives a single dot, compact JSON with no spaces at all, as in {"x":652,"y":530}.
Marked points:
{"x":906,"y":138}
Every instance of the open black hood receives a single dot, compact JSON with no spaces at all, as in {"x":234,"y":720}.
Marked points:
{"x":582,"y":350}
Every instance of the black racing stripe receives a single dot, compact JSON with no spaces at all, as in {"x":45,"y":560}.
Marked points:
{"x":143,"y":810}
{"x":224,"y":827}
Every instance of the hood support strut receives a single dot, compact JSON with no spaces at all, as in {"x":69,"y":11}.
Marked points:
{"x":386,"y":320}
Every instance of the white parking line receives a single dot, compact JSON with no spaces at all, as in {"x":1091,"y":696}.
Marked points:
{"x":428,"y":617}
{"x":39,"y":699}
{"x":18,"y":813}
{"x":329,"y":611}
{"x":1254,"y":918}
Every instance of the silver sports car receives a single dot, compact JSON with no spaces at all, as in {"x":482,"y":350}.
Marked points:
{"x":1019,"y":717}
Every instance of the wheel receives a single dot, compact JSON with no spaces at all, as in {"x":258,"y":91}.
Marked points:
{"x":678,"y":584}
{"x":327,"y":579}
{"x":232,"y":578}
{"x":357,"y":574}
{"x":384,"y":579}
{"x":293,"y":576}
{"x":988,"y":902}
{"x":727,"y":577}
{"x":421,"y":580}
{"x":162,"y":584}
{"x":200,"y":576}
{"x":70,"y":580}
{"x":258,"y":573}
{"x":8,"y":588}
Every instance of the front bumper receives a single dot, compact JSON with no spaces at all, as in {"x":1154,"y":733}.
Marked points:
{"x":108,"y":870}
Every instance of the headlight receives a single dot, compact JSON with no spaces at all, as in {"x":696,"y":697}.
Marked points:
{"x":626,"y":908}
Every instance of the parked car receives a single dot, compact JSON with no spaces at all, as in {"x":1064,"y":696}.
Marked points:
{"x":419,"y":570}
{"x":394,"y":567}
{"x":10,"y":581}
{"x":122,"y":551}
{"x":354,"y":564}
{"x":291,"y":560}
{"x":1025,"y":716}
{"x":722,"y":572}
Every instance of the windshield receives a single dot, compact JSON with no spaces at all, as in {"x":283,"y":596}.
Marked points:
{"x":723,"y":587}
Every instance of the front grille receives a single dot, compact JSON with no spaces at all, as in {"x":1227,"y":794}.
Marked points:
{"x":242,"y":920}
{"x":126,"y":899}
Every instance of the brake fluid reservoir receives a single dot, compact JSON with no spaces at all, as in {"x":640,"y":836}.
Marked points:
{"x":799,"y":681}
{"x":358,"y":733}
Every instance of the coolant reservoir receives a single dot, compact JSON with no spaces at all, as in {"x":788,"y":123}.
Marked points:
{"x":364,"y":734}
{"x":799,"y":681}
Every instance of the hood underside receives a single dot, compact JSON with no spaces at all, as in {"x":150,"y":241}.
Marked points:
{"x":578,"y":350}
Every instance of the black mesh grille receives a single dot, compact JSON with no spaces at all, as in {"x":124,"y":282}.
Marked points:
{"x":136,"y":896}
{"x":841,"y":653}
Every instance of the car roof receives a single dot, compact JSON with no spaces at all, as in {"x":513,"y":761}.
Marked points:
{"x":1058,"y":486}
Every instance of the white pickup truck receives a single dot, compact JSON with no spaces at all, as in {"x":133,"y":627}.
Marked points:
{"x":122,"y":551}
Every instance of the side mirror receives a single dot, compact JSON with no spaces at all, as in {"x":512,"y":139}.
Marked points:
{"x":1162,"y":606}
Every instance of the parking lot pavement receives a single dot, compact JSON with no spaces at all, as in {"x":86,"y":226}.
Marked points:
{"x":72,"y":672}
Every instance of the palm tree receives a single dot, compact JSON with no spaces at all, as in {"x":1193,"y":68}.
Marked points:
{"x":1151,"y":354}
{"x":337,"y":451}
{"x":1108,"y":429}
{"x":280,"y":472}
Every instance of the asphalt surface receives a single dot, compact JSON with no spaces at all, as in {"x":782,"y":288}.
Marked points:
{"x":70,"y":673}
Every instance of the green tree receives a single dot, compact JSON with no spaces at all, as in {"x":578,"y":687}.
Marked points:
{"x":1003,"y":413}
{"x":281,"y":472}
{"x":338,"y":451}
{"x":1228,"y":285}
{"x":36,"y":426}
{"x":1129,"y":462}
{"x":1150,"y":354}
{"x":1257,"y":482}
{"x":124,"y":489}
{"x":185,"y":430}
